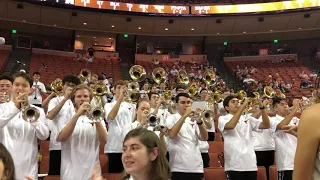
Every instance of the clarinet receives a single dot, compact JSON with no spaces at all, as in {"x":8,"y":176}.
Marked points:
{"x":35,"y":92}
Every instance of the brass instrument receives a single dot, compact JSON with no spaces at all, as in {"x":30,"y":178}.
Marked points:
{"x":207,"y":115}
{"x":281,"y":95}
{"x":268,"y":92}
{"x":5,"y":97}
{"x":137,"y":73}
{"x":133,"y":86}
{"x":216,"y":97}
{"x":57,"y":86}
{"x":29,"y":114}
{"x":131,"y":96}
{"x":152,"y":120}
{"x":84,"y":74}
{"x":242,"y":95}
{"x":209,"y":77}
{"x":96,"y":114}
{"x":159,"y":75}
{"x":183,"y":77}
{"x":193,"y":90}
{"x":99,"y":89}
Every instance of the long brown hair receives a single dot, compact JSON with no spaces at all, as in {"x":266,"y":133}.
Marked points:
{"x":160,"y":169}
{"x":7,"y":161}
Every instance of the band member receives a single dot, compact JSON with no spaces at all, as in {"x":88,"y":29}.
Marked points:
{"x":204,"y":96}
{"x":7,"y":170}
{"x":159,"y":107}
{"x":19,"y":135}
{"x":184,"y":133}
{"x":79,"y":140}
{"x":5,"y":88}
{"x":59,"y":111}
{"x":142,"y":112}
{"x":240,"y":159}
{"x":143,"y":156}
{"x":38,"y":90}
{"x":285,"y":142}
{"x":118,"y":114}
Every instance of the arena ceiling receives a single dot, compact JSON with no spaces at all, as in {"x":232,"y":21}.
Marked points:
{"x":233,"y":29}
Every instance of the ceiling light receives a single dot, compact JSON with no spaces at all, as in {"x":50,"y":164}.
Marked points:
{"x":24,"y":20}
{"x":218,"y":33}
{"x":244,"y":32}
{"x":54,"y":25}
{"x":94,"y":37}
{"x":192,"y":29}
{"x":84,"y":23}
{"x":109,"y":38}
{"x":166,"y":29}
{"x":139,"y":27}
{"x":299,"y":28}
{"x":271,"y":30}
{"x":78,"y":36}
{"x":112,"y":26}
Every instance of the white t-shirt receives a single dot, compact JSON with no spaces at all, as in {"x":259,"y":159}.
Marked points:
{"x":128,"y":127}
{"x":239,"y":152}
{"x":184,"y":151}
{"x":162,"y":114}
{"x":36,"y":93}
{"x":125,"y":116}
{"x":80,"y":152}
{"x":264,"y":139}
{"x":286,"y":144}
{"x":64,"y":115}
{"x":21,"y":139}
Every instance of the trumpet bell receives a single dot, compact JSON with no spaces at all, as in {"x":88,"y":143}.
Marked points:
{"x":207,"y":115}
{"x":31,"y":114}
{"x":183,"y":77}
{"x":97,"y":114}
{"x":57,"y":86}
{"x":268,"y":92}
{"x":209,"y":77}
{"x":132,"y":96}
{"x":152,"y":120}
{"x":137,"y":73}
{"x":217,"y":96}
{"x":167,"y":95}
{"x":159,"y":75}
{"x":84,"y":74}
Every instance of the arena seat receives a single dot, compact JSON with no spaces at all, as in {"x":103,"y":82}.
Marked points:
{"x":216,"y":146}
{"x":214,"y":160}
{"x":52,"y":178}
{"x":214,"y":174}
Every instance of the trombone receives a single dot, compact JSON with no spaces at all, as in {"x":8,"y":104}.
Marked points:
{"x":159,"y":75}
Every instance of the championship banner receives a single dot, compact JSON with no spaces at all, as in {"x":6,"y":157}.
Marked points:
{"x":263,"y":52}
{"x":254,"y":8}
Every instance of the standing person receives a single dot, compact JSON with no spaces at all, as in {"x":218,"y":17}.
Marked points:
{"x":285,"y":143}
{"x":239,"y":155}
{"x":20,"y":136}
{"x":143,"y":156}
{"x":118,"y":114}
{"x":80,"y":138}
{"x":7,"y":170}
{"x":5,"y":88}
{"x":60,"y":110}
{"x":184,"y":134}
{"x":38,"y":90}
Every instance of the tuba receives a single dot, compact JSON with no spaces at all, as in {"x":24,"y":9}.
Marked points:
{"x":137,"y":73}
{"x":193,"y":90}
{"x":57,"y":86}
{"x":84,"y":74}
{"x":209,"y":77}
{"x":159,"y":75}
{"x":183,"y":77}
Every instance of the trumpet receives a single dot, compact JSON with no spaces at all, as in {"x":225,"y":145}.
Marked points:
{"x":207,"y":115}
{"x":193,"y":90}
{"x":29,"y":114}
{"x":99,"y":89}
{"x":183,"y":77}
{"x":84,"y":75}
{"x":153,"y":121}
{"x":209,"y":77}
{"x":57,"y":86}
{"x":137,"y":73}
{"x":96,"y":114}
{"x":159,"y":75}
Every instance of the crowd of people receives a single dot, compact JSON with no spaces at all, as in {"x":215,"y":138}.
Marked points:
{"x":153,"y":131}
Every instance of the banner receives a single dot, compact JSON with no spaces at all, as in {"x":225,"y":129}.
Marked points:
{"x":263,"y":52}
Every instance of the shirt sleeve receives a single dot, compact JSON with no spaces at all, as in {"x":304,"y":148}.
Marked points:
{"x":222,"y":121}
{"x":107,"y":108}
{"x":43,"y":88}
{"x":273,"y":124}
{"x":52,"y":104}
{"x":170,"y":121}
{"x":8,"y":111}
{"x":255,"y":123}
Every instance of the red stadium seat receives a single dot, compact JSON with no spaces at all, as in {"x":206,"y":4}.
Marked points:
{"x":216,"y":147}
{"x":214,"y":160}
{"x":52,"y":178}
{"x":214,"y":174}
{"x":44,"y":165}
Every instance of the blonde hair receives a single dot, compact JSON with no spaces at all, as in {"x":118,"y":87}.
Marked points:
{"x":80,"y":87}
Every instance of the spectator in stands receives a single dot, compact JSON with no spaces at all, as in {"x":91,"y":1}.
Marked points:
{"x":162,"y":87}
{"x":38,"y":90}
{"x":198,"y":76}
{"x":144,"y":90}
{"x":94,"y":78}
{"x":184,"y":134}
{"x":59,"y":111}
{"x":283,"y":88}
{"x":22,"y":145}
{"x":239,"y":147}
{"x":118,"y":113}
{"x":5,"y":88}
{"x":174,"y":72}
{"x":143,"y":156}
{"x":79,"y":140}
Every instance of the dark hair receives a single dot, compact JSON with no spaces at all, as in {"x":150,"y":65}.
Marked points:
{"x":71,"y":79}
{"x":100,"y":78}
{"x":152,"y":93}
{"x":227,"y":100}
{"x":182,"y":95}
{"x":204,"y":89}
{"x":141,"y":101}
{"x":24,"y":76}
{"x":5,"y":157}
{"x":36,"y":73}
{"x":160,"y":169}
{"x":180,"y":86}
{"x":277,"y":100}
{"x":5,"y":77}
